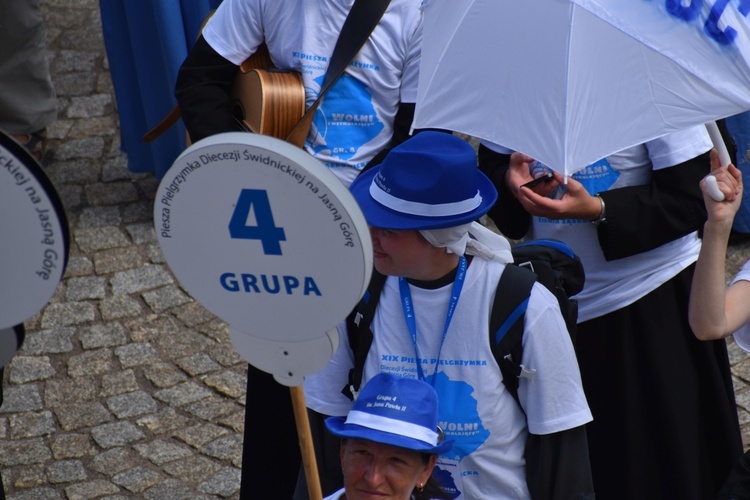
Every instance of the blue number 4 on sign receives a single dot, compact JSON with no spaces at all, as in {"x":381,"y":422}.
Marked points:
{"x":265,"y":229}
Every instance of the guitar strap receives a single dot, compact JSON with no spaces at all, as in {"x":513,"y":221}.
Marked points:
{"x":361,"y":20}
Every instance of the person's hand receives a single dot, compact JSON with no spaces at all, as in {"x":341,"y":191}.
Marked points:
{"x":576,"y":202}
{"x":729,"y":182}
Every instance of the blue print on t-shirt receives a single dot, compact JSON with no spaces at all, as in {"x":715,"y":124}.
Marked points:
{"x":597,"y":177}
{"x":345,"y":120}
{"x":458,"y":416}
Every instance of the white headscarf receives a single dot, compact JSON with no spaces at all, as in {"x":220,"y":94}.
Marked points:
{"x":471,"y":239}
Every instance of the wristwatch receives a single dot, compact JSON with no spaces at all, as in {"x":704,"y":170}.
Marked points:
{"x":603,"y":215}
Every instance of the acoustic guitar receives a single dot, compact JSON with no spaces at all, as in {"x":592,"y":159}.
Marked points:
{"x":265,"y":100}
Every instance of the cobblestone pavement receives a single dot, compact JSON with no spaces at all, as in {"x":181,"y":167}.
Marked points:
{"x":126,"y":387}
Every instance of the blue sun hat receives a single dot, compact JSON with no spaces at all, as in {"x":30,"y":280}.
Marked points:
{"x":397,"y":411}
{"x":429,"y":181}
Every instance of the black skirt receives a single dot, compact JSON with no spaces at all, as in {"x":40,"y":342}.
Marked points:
{"x":665,"y":422}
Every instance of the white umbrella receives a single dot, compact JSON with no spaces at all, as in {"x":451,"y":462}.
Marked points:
{"x":572,"y":81}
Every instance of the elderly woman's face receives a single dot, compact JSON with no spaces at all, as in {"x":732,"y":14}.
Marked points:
{"x":375,"y":470}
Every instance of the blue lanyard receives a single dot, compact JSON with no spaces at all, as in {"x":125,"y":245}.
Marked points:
{"x":408,"y":306}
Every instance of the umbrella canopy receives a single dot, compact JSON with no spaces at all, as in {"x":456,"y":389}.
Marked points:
{"x":572,"y":81}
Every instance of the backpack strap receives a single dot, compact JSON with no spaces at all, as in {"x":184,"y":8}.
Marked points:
{"x":507,"y":324}
{"x":359,"y":333}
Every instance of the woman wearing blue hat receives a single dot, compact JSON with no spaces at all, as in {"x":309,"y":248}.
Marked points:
{"x":432,"y":324}
{"x":390,"y":441}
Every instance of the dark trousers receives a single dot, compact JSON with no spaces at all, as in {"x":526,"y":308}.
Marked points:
{"x":270,"y":453}
{"x":665,"y":421}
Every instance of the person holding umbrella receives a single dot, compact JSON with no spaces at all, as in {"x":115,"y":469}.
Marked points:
{"x":665,"y":424}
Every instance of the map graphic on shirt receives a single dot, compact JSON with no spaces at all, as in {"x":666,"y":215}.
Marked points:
{"x":597,"y":177}
{"x":346,"y":119}
{"x":458,"y":416}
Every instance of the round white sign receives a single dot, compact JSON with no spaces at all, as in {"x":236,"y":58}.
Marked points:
{"x":34,"y":232}
{"x":264,"y":236}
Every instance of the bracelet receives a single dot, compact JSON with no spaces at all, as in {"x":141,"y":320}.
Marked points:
{"x":603,"y":215}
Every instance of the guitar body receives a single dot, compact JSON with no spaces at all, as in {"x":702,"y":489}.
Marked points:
{"x":269,"y":101}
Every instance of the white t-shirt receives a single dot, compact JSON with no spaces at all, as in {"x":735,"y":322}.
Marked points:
{"x":742,"y":336}
{"x":476,"y":410}
{"x":612,"y":285}
{"x":355,"y":119}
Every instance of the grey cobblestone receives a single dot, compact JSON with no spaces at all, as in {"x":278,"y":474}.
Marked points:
{"x":200,"y":435}
{"x":80,"y":148}
{"x":68,"y":390}
{"x":21,"y":398}
{"x":142,"y":233}
{"x":164,"y":375}
{"x":137,"y":479}
{"x":100,"y":238}
{"x":82,"y":171}
{"x":99,"y":217}
{"x":82,"y":415}
{"x":210,"y":408}
{"x":164,"y":421}
{"x":30,"y":476}
{"x":65,"y":446}
{"x":198,"y":364}
{"x":116,"y":434}
{"x":88,"y":287}
{"x":43,"y":493}
{"x":223,"y":484}
{"x":90,"y":363}
{"x":111,"y":193}
{"x":79,"y":265}
{"x":52,"y":341}
{"x":160,"y":452}
{"x":91,"y":489}
{"x":227,"y":447}
{"x":66,"y":471}
{"x":196,"y":468}
{"x":182,"y":394}
{"x":88,"y":106}
{"x":114,"y":461}
{"x":103,"y":335}
{"x":166,"y":297}
{"x":136,"y":354}
{"x":119,"y":307}
{"x":30,"y":425}
{"x":229,"y":383}
{"x":119,"y":382}
{"x":30,"y":368}
{"x":71,"y":313}
{"x":24,"y":451}
{"x":131,"y":404}
{"x":117,"y":259}
{"x":140,"y":279}
{"x":169,"y":488}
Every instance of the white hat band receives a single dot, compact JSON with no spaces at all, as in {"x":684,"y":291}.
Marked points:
{"x":393,"y":426}
{"x":424,"y":209}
